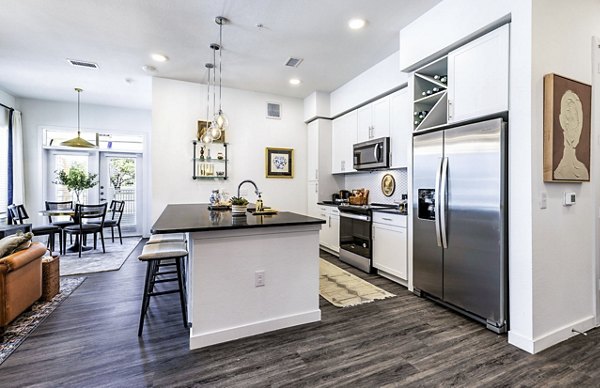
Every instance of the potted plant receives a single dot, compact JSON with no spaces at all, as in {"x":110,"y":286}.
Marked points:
{"x":239,"y":205}
{"x":76,"y":180}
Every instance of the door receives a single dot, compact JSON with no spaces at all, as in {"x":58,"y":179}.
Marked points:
{"x":343,"y":138}
{"x":364,"y":123}
{"x":381,"y":118}
{"x":427,"y":250}
{"x":120,"y":179}
{"x":389,"y":249}
{"x":478,"y":77}
{"x":312,"y":152}
{"x":474,"y":261}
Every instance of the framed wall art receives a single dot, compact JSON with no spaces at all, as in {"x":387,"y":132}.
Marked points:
{"x":279,"y":162}
{"x":567,"y":129}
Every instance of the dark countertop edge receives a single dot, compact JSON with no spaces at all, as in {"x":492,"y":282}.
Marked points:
{"x":230,"y":227}
{"x":328,"y":204}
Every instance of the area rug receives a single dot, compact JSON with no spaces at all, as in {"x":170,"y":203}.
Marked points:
{"x":342,"y":289}
{"x":96,"y":261}
{"x":27,"y":322}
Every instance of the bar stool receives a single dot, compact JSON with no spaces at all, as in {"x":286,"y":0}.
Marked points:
{"x":154,"y":254}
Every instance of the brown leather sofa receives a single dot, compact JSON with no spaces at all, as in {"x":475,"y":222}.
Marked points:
{"x":20,"y":281}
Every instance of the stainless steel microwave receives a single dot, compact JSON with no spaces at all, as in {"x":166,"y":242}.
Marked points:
{"x":372,"y":154}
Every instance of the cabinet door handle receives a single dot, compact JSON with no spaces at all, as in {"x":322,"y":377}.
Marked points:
{"x":387,"y":219}
{"x":330,"y":221}
{"x":317,"y":187}
{"x":450,"y":109}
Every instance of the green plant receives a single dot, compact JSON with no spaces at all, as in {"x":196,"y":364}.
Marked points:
{"x":241,"y":201}
{"x":76,"y":179}
{"x":122,"y":173}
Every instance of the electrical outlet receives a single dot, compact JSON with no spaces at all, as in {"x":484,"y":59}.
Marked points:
{"x":259,"y":279}
{"x":543,"y":200}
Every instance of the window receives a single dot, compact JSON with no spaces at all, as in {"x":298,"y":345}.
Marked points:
{"x":3,"y":162}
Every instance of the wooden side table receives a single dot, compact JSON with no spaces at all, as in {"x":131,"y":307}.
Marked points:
{"x":50,"y":277}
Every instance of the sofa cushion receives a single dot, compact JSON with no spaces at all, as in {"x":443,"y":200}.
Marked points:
{"x":9,"y":244}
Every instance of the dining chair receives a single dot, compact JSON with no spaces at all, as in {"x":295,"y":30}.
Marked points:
{"x":85,"y":215}
{"x":116,"y":210}
{"x":19,"y":214}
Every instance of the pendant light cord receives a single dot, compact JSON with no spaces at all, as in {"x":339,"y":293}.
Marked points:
{"x":78,"y":104}
{"x":207,"y":96}
{"x":220,"y":60}
{"x":214,"y":83}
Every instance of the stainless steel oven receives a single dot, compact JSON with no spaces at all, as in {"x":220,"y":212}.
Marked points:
{"x":356,"y":238}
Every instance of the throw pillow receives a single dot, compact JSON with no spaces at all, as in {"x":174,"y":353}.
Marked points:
{"x":9,"y":243}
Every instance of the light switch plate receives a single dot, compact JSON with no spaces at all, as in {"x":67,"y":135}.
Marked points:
{"x":543,"y":200}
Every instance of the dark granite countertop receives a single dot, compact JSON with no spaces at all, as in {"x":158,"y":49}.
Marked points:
{"x":197,"y":218}
{"x":390,"y":211}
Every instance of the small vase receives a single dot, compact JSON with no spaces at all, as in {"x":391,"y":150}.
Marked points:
{"x":238,"y":209}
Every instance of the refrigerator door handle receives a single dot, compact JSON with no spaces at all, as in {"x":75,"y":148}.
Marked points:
{"x":438,"y":233}
{"x":443,"y":202}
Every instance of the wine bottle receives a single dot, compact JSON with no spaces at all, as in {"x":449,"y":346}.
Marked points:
{"x":417,"y":122}
{"x":429,"y":92}
{"x":416,"y":113}
{"x":437,"y":77}
{"x":436,"y":89}
{"x":423,"y":93}
{"x":444,"y":79}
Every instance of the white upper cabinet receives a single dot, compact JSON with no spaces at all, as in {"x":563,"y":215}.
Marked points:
{"x":344,"y":136}
{"x":374,"y":120}
{"x":400,"y":127}
{"x":478,"y":76}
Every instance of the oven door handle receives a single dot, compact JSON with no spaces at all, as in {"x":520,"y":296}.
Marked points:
{"x":355,"y":216}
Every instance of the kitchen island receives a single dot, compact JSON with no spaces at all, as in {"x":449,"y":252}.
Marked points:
{"x":246,"y":274}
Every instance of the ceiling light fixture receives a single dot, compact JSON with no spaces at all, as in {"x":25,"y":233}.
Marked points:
{"x":220,"y":121}
{"x":295,"y":81}
{"x":78,"y":141}
{"x":159,"y":57}
{"x":149,"y":68}
{"x":356,"y":23}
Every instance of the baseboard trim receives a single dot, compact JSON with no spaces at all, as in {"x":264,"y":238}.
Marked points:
{"x":202,"y":340}
{"x":551,"y":338}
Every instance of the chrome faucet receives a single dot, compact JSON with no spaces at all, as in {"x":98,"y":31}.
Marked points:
{"x":253,"y":184}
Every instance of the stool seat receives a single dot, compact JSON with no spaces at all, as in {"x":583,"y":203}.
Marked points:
{"x":164,"y":250}
{"x":169,"y":237}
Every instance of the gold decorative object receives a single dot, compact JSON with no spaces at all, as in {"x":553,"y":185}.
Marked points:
{"x":388,"y":185}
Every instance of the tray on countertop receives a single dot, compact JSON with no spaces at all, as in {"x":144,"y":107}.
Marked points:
{"x":219,"y":207}
{"x":265,"y":212}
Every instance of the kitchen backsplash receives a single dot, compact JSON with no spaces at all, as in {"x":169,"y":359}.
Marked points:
{"x":372,"y":182}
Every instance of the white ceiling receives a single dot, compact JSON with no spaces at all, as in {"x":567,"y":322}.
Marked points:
{"x":37,"y":36}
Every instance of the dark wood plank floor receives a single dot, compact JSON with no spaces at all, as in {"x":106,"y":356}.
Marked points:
{"x":91,"y":340}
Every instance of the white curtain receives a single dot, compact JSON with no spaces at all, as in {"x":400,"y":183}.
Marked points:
{"x":17,"y":151}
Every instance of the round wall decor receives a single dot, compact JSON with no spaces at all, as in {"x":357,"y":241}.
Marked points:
{"x":388,"y":185}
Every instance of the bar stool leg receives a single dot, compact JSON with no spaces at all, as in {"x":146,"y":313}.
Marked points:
{"x":146,"y":297}
{"x":181,"y":293}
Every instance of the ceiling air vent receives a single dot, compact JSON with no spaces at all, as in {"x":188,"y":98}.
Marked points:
{"x":78,"y":63}
{"x":273,"y":110}
{"x":294,"y":62}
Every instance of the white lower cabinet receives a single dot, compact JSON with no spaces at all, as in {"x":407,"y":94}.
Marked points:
{"x":389,"y":244}
{"x":330,"y":231}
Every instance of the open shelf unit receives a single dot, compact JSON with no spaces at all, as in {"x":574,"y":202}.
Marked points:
{"x":430,"y":97}
{"x":206,"y":164}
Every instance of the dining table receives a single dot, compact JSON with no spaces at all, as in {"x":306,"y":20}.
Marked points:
{"x":73,"y":248}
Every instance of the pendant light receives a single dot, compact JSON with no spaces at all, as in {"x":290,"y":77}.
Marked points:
{"x":221,"y":120}
{"x":206,"y":136}
{"x":78,"y":141}
{"x":214,"y":129}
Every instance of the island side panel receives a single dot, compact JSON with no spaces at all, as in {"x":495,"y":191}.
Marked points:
{"x":226,"y":305}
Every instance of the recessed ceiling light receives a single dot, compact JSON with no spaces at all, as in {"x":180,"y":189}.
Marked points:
{"x":295,"y":81}
{"x":356,"y":24}
{"x":159,"y":57}
{"x":149,"y":68}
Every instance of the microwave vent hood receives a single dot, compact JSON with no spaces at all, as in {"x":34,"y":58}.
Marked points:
{"x":372,"y":155}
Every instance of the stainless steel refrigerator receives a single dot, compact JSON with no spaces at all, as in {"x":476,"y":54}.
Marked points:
{"x":460,"y":219}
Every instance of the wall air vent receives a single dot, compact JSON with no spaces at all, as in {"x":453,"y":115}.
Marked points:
{"x":293,"y":62}
{"x":273,"y":110}
{"x":86,"y":64}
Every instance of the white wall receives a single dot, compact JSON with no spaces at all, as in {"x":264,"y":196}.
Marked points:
{"x":377,"y":80}
{"x":38,"y":114}
{"x":563,"y":241}
{"x":7,"y":99}
{"x":178,"y":105}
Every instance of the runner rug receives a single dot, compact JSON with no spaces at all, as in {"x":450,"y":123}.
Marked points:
{"x":342,"y":289}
